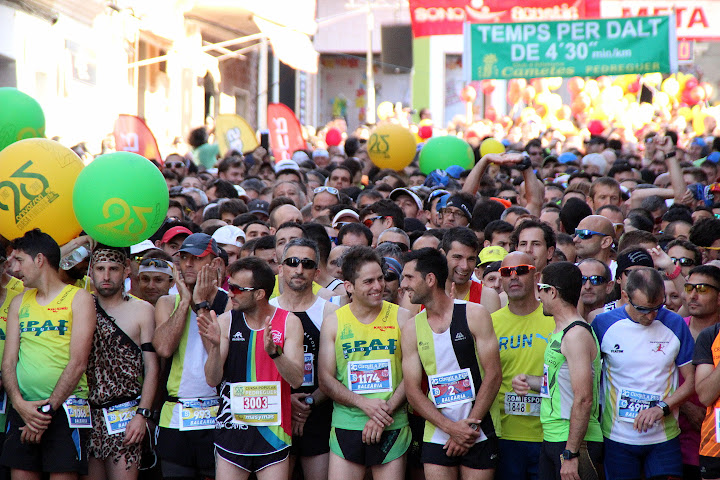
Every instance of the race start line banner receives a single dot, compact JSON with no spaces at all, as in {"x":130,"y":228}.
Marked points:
{"x":614,"y":46}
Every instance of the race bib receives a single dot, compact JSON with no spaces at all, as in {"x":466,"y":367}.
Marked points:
{"x":452,"y":388}
{"x":370,"y":376}
{"x":630,"y":403}
{"x":256,"y":403}
{"x":309,"y":374}
{"x":198,"y":413}
{"x":527,"y":405}
{"x":78,"y":412}
{"x":545,"y":387}
{"x":118,"y":416}
{"x":3,"y":402}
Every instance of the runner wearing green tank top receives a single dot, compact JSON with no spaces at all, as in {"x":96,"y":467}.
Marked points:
{"x":360,"y":368}
{"x":569,"y":411}
{"x":454,"y":345}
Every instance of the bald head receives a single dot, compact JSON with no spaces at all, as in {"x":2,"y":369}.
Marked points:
{"x":517,"y":258}
{"x":285,"y":213}
{"x":597,"y":223}
{"x":599,"y":239}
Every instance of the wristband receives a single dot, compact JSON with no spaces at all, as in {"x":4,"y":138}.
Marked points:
{"x":204,"y":305}
{"x":670,"y":155}
{"x":675,"y":273}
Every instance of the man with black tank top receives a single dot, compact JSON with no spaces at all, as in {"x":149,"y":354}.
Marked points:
{"x":451,"y":343}
{"x":255,"y":356}
{"x":311,"y":410}
{"x":122,"y":370}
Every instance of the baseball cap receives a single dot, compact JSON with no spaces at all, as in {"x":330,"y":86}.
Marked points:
{"x":298,"y":157}
{"x":320,"y":152}
{"x":454,"y":171}
{"x":714,"y":157}
{"x":567,"y":157}
{"x":404,"y":191}
{"x":141,"y":247}
{"x":437,"y":178}
{"x":258,"y":206}
{"x":228,"y":235}
{"x":433,"y":195}
{"x":345,"y":213}
{"x":174,"y":232}
{"x":550,"y":159}
{"x":241,"y":192}
{"x":491,"y":254}
{"x":458,"y":202}
{"x":442,"y":203}
{"x":699,"y":141}
{"x":286,"y":165}
{"x":636,"y":256}
{"x":392,"y":266}
{"x":200,"y":245}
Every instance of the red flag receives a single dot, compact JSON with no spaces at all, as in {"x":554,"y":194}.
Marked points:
{"x":133,"y":135}
{"x":285,"y":133}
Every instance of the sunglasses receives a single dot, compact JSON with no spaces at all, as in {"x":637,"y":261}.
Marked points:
{"x":584,"y":234}
{"x":517,"y":270}
{"x":595,"y":280}
{"x":699,"y":287}
{"x":330,"y":190}
{"x":174,"y":164}
{"x":403,"y":248}
{"x":391,"y":276}
{"x":155,"y":262}
{"x":683,"y":261}
{"x":711,"y":248}
{"x":368,"y":222}
{"x":306,"y":263}
{"x":646,"y":310}
{"x":237,"y":289}
{"x":544,"y":287}
{"x":510,"y":199}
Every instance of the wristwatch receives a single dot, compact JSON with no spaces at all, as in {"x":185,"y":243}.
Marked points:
{"x":47,"y":409}
{"x":145,"y":412}
{"x":277,"y":353}
{"x":670,"y":154}
{"x":665,"y":407}
{"x":204,"y":305}
{"x":568,"y":455}
{"x":309,"y":401}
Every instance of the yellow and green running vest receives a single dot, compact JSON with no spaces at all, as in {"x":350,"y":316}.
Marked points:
{"x":359,"y":345}
{"x":45,"y":344}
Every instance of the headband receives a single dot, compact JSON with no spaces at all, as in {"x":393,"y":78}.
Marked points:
{"x":108,"y":255}
{"x":156,"y":265}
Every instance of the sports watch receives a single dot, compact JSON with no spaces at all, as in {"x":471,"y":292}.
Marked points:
{"x":145,"y":412}
{"x":277,"y":353}
{"x":665,"y":407}
{"x":568,"y":455}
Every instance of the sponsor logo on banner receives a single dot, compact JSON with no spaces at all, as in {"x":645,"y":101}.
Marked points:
{"x":694,"y":19}
{"x":285,"y":132}
{"x":445,"y":17}
{"x":133,"y":135}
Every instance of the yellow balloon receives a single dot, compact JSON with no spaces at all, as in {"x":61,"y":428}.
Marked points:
{"x":662,"y":99}
{"x":592,"y":88}
{"x":670,"y":86}
{"x":391,"y":146}
{"x":490,"y":145}
{"x":38,"y":176}
{"x":385,"y":110}
{"x":685,"y":112}
{"x":653,"y":79}
{"x":698,"y":122}
{"x":554,"y":83}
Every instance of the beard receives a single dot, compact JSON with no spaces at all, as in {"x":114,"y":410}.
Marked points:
{"x":108,"y":291}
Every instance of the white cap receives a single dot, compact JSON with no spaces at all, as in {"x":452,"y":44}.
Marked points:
{"x":286,"y":165}
{"x":345,"y":212}
{"x":143,"y":246}
{"x":241,"y":191}
{"x":228,"y":235}
{"x":320,"y":152}
{"x":405,"y":191}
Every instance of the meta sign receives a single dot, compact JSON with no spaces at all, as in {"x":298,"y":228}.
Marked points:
{"x":565,"y":49}
{"x":695,"y":19}
{"x":446,"y":17}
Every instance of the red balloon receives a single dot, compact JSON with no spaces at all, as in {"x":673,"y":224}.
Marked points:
{"x":696,"y":95}
{"x":333,"y":137}
{"x":691,"y":83}
{"x":425,"y":132}
{"x":575,"y":85}
{"x":595,"y":127}
{"x":468,"y":93}
{"x":488,"y":86}
{"x":491,"y":113}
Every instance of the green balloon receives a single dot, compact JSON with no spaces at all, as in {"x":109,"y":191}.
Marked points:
{"x":20,"y":117}
{"x":120,"y":199}
{"x":443,"y":152}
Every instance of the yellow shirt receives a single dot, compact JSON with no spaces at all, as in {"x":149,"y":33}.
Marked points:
{"x":522,"y":340}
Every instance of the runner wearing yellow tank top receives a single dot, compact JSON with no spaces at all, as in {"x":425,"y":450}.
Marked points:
{"x":7,"y":293}
{"x":360,"y":368}
{"x":48,"y":340}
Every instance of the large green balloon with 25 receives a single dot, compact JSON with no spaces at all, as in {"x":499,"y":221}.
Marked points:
{"x":120,"y":199}
{"x":20,"y":117}
{"x":443,"y":152}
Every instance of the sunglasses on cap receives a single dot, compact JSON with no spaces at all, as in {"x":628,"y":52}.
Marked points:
{"x":544,"y":287}
{"x":683,"y":261}
{"x":174,"y":164}
{"x":330,"y":190}
{"x":237,"y":289}
{"x":584,"y":234}
{"x":155,"y":262}
{"x":645,"y":310}
{"x":517,"y":270}
{"x":368,"y":222}
{"x":403,"y":248}
{"x":699,"y":287}
{"x":595,"y":280}
{"x":306,"y":263}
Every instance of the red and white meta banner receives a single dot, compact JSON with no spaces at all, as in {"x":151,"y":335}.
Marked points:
{"x":695,"y":19}
{"x":446,"y":17}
